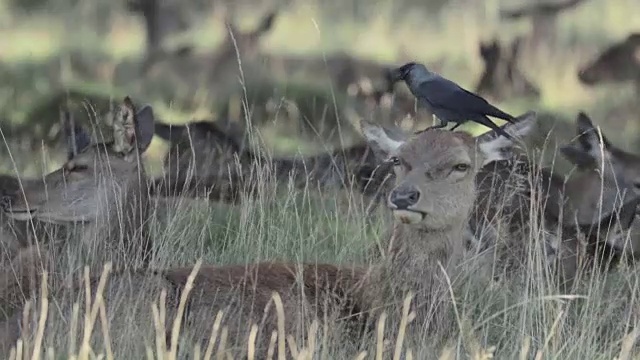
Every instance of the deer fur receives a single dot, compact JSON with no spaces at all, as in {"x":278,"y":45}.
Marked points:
{"x":223,"y":167}
{"x":589,"y":211}
{"x":101,"y":190}
{"x":619,"y":62}
{"x":324,"y":291}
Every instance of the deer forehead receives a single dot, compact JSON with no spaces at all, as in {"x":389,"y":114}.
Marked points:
{"x":435,"y":148}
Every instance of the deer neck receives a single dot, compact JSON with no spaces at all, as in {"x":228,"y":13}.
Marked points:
{"x":420,"y":261}
{"x":120,"y":231}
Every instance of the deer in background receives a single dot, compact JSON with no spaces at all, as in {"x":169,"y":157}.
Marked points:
{"x":203,"y":159}
{"x":618,"y":63}
{"x":101,"y":189}
{"x":502,"y":78}
{"x":427,"y":231}
{"x":588,"y":215}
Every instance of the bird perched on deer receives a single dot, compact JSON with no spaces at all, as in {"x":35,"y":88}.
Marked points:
{"x":447,"y":100}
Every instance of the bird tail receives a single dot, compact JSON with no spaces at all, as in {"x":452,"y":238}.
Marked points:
{"x":490,"y":124}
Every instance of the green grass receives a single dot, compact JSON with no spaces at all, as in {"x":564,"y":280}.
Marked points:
{"x":288,"y":225}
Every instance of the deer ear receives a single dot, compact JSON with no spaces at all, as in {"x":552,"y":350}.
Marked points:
{"x":144,"y":127}
{"x":379,"y":140}
{"x":590,"y":139}
{"x":266,"y":23}
{"x":495,"y":147}
{"x":577,"y":156}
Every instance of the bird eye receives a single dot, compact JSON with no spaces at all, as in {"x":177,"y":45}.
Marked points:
{"x":461,"y":167}
{"x":395,"y":161}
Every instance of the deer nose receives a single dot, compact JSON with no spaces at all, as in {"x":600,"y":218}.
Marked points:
{"x":404,"y":197}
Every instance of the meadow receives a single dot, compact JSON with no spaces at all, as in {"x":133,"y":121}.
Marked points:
{"x":523,"y":317}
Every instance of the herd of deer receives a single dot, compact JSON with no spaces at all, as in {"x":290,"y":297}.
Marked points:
{"x":453,"y":198}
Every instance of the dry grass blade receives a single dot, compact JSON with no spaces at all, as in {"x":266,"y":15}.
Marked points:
{"x":149,"y":353}
{"x":177,"y":322}
{"x":251,"y":350}
{"x":92,"y":314}
{"x":75,"y":313}
{"x":380,"y":336}
{"x":627,"y":345}
{"x":196,"y":352}
{"x":161,"y":347}
{"x":311,"y":341}
{"x":447,"y":353}
{"x":554,"y":327}
{"x":361,"y":356}
{"x":44,"y":310}
{"x":19,"y":349}
{"x":222,"y":346}
{"x":214,"y":335}
{"x":26,"y":325}
{"x":281,"y":334}
{"x":409,"y":355}
{"x":403,"y":326}
{"x":104,"y":321}
{"x":524,"y":350}
{"x":272,"y":345}
{"x":293,"y":347}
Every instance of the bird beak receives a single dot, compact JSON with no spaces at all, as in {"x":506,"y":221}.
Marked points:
{"x":394,"y":75}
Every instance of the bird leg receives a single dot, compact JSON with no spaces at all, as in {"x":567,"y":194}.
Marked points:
{"x":439,"y":126}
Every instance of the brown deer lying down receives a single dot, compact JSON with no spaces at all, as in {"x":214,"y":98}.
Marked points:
{"x":505,"y":193}
{"x":101,"y":190}
{"x":14,"y":233}
{"x":431,"y":201}
{"x":618,"y":63}
{"x":597,"y":202}
{"x":204,"y":158}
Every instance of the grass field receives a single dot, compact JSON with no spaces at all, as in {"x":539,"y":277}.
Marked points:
{"x":524,"y":317}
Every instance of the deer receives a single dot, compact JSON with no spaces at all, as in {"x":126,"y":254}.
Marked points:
{"x":428,"y":233}
{"x":502,"y":76}
{"x":14,"y":233}
{"x":590,"y":213}
{"x":101,"y":189}
{"x":205,"y":159}
{"x":504,"y":190}
{"x":618,"y":63}
{"x":203,"y":156}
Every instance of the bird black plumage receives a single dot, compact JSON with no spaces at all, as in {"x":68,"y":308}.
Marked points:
{"x":448,"y":101}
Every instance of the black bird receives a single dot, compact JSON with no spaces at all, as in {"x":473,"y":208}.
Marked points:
{"x":447,"y":100}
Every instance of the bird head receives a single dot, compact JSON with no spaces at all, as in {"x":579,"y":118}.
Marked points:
{"x":402,"y":72}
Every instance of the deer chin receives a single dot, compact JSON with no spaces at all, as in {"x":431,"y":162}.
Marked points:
{"x":408,"y":216}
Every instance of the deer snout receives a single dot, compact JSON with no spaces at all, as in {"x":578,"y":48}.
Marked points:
{"x":404,"y":197}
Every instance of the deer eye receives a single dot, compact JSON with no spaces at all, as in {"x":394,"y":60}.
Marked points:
{"x":461,"y":167}
{"x":395,"y":161}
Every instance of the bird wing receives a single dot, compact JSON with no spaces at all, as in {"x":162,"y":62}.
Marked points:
{"x":445,"y":93}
